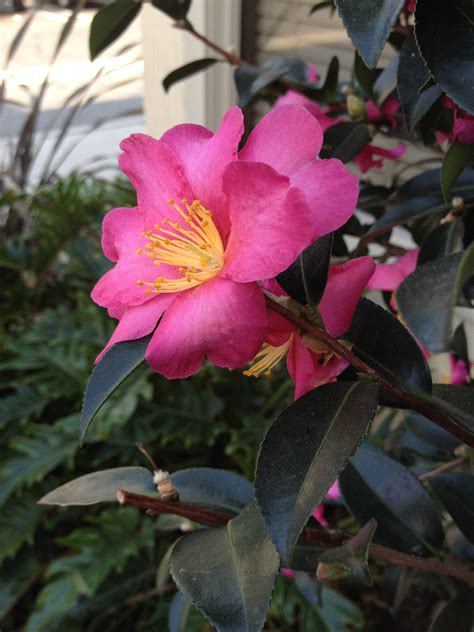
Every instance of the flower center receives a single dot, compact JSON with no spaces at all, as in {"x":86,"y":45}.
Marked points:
{"x":267,"y":358}
{"x":195,"y":249}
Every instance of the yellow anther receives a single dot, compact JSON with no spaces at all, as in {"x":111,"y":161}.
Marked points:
{"x":148,"y":292}
{"x":170,"y":202}
{"x":139,"y":251}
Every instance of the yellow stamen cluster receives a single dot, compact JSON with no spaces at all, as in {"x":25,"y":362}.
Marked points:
{"x":195,"y":249}
{"x":267,"y":359}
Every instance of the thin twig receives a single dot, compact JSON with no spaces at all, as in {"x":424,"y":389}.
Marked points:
{"x":409,"y":398}
{"x":445,"y":467}
{"x":231,"y":58}
{"x":211,"y":518}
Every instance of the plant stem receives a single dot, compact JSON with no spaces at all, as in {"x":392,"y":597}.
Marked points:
{"x":211,"y":518}
{"x":445,"y":467}
{"x":231,"y":58}
{"x":409,"y":398}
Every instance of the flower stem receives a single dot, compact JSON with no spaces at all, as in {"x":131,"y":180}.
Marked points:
{"x":409,"y":398}
{"x":211,"y":518}
{"x":231,"y":58}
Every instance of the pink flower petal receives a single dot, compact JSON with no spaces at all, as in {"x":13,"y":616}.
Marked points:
{"x":139,"y":321}
{"x":301,"y":365}
{"x":279,"y":329}
{"x":121,"y":232}
{"x":286,"y":138}
{"x":156,"y":174}
{"x":388,"y":276}
{"x":204,"y":157}
{"x":344,"y":287}
{"x":331,"y":193}
{"x":270,"y":224}
{"x":296,"y":98}
{"x":221,"y":319}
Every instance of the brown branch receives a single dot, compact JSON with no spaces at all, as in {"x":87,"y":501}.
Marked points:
{"x":231,"y":58}
{"x":210,"y":518}
{"x":445,"y":467}
{"x":409,"y":398}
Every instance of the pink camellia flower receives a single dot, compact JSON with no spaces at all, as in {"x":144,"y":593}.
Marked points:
{"x":309,"y":362}
{"x":320,"y":114}
{"x":372,"y":156}
{"x":410,"y":6}
{"x":463,"y":126}
{"x":386,"y":112}
{"x":210,"y":223}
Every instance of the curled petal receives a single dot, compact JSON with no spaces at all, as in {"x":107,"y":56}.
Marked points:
{"x":220,"y":319}
{"x":331,"y":193}
{"x":388,"y":276}
{"x":140,"y":321}
{"x":121,"y":232}
{"x":270,"y":222}
{"x":346,"y":283}
{"x":286,"y":139}
{"x":156,"y":174}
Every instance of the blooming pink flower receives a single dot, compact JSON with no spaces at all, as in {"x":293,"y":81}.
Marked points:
{"x":410,"y":6}
{"x":463,"y":126}
{"x":309,"y":363}
{"x":386,"y":112}
{"x":215,"y":222}
{"x":459,"y":374}
{"x":373,"y":156}
{"x":388,"y":276}
{"x":320,"y":114}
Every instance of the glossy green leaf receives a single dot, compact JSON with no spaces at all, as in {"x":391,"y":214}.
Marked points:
{"x":304,"y":451}
{"x":425,"y":300}
{"x":381,"y":340}
{"x":428,"y":183}
{"x":305,"y":280}
{"x":457,"y":158}
{"x":412,"y":75}
{"x":214,"y":488}
{"x":412,"y":208}
{"x":430,"y":433}
{"x":183,"y":72}
{"x":457,"y":615}
{"x":328,"y":91}
{"x":354,"y":554}
{"x":178,"y":613}
{"x":446,"y":43}
{"x":456,"y":491}
{"x":365,"y":76}
{"x":375,"y":486}
{"x":458,"y":402}
{"x":345,"y":140}
{"x":446,"y":239}
{"x":176,"y":9}
{"x":368,"y":24}
{"x":109,"y":23}
{"x":228,"y":573}
{"x":114,"y":367}
{"x":101,"y":486}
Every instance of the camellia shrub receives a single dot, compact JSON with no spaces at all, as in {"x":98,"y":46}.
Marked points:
{"x":292,"y":248}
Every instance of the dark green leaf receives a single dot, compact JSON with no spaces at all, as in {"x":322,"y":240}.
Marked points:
{"x":228,"y":573}
{"x":250,"y":80}
{"x":305,"y":280}
{"x":328,"y":91}
{"x":176,"y":9}
{"x":218,"y":489}
{"x":465,"y":273}
{"x":457,"y":158}
{"x":322,"y":5}
{"x":457,"y":615}
{"x":412,"y":74}
{"x":178,"y":613}
{"x":353,"y":555}
{"x":458,"y":402}
{"x":114,"y":367}
{"x":365,"y":76}
{"x":446,"y":43}
{"x":183,"y":72}
{"x":368,"y":24}
{"x":446,"y":239}
{"x":381,"y":340}
{"x":430,"y":433}
{"x":413,"y":208}
{"x":345,"y":140}
{"x":456,"y":492}
{"x":109,"y":23}
{"x":304,"y":451}
{"x":17,"y":576}
{"x":386,"y":81}
{"x":425,"y":300}
{"x":101,"y":486}
{"x":375,"y":486}
{"x":428,"y":183}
